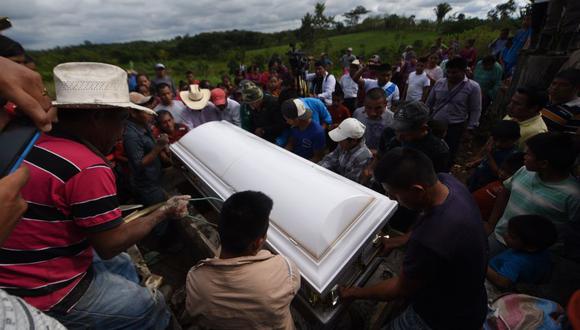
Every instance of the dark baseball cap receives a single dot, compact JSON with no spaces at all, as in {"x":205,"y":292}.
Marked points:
{"x":411,"y":116}
{"x":5,"y":23}
{"x":293,"y":109}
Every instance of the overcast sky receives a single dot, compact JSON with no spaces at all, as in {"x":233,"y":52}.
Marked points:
{"x":40,"y":24}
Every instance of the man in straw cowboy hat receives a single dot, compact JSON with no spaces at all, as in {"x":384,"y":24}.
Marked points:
{"x":200,"y":109}
{"x":65,"y":256}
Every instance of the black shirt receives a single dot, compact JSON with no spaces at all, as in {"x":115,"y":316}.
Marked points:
{"x":447,"y":252}
{"x":269,"y":118}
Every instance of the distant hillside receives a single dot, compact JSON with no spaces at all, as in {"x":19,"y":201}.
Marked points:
{"x":208,"y":54}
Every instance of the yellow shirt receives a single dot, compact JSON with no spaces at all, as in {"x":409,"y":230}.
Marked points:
{"x":529,"y":128}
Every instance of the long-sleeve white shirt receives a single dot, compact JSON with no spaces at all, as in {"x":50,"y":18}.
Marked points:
{"x":328,"y":85}
{"x":349,"y":86}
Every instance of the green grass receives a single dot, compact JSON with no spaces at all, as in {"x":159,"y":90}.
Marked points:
{"x":388,"y":44}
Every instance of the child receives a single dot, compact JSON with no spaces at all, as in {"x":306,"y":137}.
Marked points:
{"x":338,"y":111}
{"x":485,"y":196}
{"x":544,"y":187}
{"x":501,"y":145}
{"x":527,"y":259}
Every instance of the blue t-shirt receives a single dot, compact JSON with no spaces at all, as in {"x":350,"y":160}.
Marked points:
{"x":308,"y":140}
{"x":510,"y":56}
{"x":320,"y":113}
{"x":522,"y":267}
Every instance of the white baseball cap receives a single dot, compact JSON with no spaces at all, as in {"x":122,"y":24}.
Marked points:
{"x":349,"y":128}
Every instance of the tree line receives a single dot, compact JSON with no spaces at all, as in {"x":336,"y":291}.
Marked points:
{"x":232,"y":45}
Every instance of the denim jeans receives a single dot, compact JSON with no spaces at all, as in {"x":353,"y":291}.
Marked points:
{"x":408,"y":320}
{"x":115,"y":300}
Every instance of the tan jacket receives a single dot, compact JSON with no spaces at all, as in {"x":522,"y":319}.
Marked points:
{"x":251,"y":292}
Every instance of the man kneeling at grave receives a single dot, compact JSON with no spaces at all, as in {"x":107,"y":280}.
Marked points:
{"x":246,"y":287}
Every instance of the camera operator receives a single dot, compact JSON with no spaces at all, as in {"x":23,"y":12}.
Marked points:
{"x":323,"y":83}
{"x":299,"y":63}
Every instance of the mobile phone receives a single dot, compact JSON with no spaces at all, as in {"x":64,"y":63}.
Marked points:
{"x":16,"y":141}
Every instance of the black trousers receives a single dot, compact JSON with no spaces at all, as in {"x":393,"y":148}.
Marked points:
{"x":453,"y":138}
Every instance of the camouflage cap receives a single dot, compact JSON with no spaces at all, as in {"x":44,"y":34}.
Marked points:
{"x":250,"y":92}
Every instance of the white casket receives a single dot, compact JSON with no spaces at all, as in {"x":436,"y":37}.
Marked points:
{"x":320,"y":220}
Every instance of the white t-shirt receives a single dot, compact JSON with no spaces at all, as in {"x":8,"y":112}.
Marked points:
{"x":390,"y":89}
{"x":436,"y":73}
{"x":415,"y":85}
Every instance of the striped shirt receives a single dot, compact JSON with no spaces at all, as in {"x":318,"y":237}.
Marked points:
{"x":390,"y":88}
{"x":563,"y":117}
{"x":557,"y":201}
{"x":71,"y":192}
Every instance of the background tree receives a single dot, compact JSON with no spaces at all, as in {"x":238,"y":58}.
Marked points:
{"x":352,"y":17}
{"x":307,"y":31}
{"x":321,"y":21}
{"x":503,"y":11}
{"x":441,"y":10}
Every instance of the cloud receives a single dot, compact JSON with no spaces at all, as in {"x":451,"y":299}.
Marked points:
{"x":41,"y":24}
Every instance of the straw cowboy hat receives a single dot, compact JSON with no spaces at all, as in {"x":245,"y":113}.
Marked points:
{"x":92,"y":85}
{"x":195,"y":98}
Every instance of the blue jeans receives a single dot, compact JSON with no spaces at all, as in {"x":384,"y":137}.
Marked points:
{"x":408,"y":320}
{"x":115,"y":300}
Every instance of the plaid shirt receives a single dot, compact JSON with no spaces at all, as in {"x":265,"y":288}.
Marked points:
{"x":350,"y":163}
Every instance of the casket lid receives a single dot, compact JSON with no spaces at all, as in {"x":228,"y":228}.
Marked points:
{"x":319,"y":219}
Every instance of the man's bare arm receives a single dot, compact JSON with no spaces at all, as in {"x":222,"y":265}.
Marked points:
{"x":111,"y":242}
{"x":503,"y":196}
{"x":393,"y":288}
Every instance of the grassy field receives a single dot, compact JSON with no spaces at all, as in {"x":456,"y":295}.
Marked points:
{"x":388,"y":44}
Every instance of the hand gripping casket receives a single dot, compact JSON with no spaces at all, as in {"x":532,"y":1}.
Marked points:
{"x":321,"y":221}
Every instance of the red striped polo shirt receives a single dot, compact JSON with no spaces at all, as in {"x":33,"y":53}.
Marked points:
{"x":71,"y":192}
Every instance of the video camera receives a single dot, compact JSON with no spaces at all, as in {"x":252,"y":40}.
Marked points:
{"x":298,"y":61}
